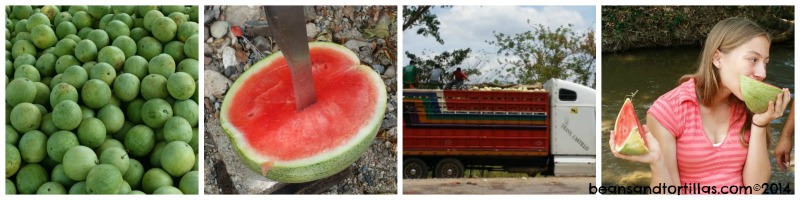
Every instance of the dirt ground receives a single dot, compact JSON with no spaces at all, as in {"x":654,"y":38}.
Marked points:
{"x":362,"y":29}
{"x":527,"y":185}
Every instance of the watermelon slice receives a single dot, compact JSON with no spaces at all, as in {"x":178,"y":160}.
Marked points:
{"x":757,"y":94}
{"x":628,"y":135}
{"x":286,"y":145}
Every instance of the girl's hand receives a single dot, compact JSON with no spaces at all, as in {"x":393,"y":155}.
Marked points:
{"x":775,"y":109}
{"x":654,"y":151}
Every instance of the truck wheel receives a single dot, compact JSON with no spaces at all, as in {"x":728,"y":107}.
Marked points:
{"x":449,"y":168}
{"x":415,"y":168}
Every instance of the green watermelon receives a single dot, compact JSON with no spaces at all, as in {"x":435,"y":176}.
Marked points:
{"x":291,"y":146}
{"x":628,"y":132}
{"x":757,"y":94}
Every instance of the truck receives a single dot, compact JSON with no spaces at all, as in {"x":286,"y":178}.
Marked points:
{"x":547,"y":131}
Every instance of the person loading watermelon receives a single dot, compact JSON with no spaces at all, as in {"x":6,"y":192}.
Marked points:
{"x":701,"y":132}
{"x":458,"y":79}
{"x":410,"y":73}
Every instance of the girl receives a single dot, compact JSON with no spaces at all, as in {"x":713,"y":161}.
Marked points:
{"x":701,"y":132}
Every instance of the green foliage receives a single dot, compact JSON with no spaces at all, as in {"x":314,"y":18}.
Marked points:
{"x":428,"y":23}
{"x":543,"y":53}
{"x":630,"y":27}
{"x":422,"y":16}
{"x":448,"y":60}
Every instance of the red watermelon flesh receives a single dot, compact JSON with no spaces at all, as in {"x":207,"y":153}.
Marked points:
{"x":627,"y":124}
{"x":260,"y":115}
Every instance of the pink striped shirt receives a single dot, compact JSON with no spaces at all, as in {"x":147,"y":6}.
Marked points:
{"x":698,"y":161}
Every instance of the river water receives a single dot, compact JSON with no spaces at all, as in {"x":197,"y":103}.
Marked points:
{"x":654,"y":72}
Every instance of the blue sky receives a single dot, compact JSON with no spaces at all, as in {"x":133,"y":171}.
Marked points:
{"x":471,"y":26}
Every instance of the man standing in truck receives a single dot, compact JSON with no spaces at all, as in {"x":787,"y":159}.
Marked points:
{"x":458,"y":79}
{"x":410,"y":75}
{"x":436,"y":76}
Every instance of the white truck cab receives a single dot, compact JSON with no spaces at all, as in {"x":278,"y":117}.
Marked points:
{"x":573,"y":131}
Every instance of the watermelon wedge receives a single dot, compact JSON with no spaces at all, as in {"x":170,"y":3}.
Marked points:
{"x":286,"y":145}
{"x":757,"y":94}
{"x":628,"y":134}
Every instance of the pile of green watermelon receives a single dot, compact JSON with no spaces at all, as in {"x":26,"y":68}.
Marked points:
{"x":101,"y":99}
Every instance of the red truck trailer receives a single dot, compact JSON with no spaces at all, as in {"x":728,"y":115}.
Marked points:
{"x":549,"y":131}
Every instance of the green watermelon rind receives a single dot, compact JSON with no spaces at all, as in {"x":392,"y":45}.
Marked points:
{"x":318,"y":166}
{"x":756,"y":94}
{"x":634,"y":144}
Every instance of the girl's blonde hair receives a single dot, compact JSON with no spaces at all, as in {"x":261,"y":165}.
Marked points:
{"x":725,"y":36}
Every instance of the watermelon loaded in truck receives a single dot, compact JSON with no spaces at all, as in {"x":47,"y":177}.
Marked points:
{"x":548,"y":131}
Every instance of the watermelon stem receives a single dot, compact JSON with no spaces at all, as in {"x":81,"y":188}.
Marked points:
{"x":632,"y":94}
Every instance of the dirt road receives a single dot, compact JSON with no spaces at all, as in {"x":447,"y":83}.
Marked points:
{"x":540,"y":185}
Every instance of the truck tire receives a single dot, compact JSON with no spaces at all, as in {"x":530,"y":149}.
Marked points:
{"x":449,"y":168}
{"x":414,"y":168}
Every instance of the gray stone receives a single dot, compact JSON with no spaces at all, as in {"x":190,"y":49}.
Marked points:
{"x":231,"y":72}
{"x":228,"y":56}
{"x":348,"y":11}
{"x":390,"y":84}
{"x":390,"y":107}
{"x":215,"y":84}
{"x":210,"y":15}
{"x":219,"y":29}
{"x":213,"y":65}
{"x":365,"y":55}
{"x":253,"y":29}
{"x":238,"y":15}
{"x":348,"y":33}
{"x":390,"y":72}
{"x":392,"y":133}
{"x":262,"y":44}
{"x":310,"y":13}
{"x":378,"y":68}
{"x":355,"y":45}
{"x":311,"y":30}
{"x":383,"y":60}
{"x":389,"y":122}
{"x":208,"y":50}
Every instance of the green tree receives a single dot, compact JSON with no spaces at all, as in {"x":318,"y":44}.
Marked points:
{"x":449,"y":61}
{"x":543,"y":53}
{"x":421,"y":16}
{"x":428,"y":23}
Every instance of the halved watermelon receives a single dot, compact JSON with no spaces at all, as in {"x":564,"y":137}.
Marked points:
{"x":757,"y":94}
{"x":286,"y":145}
{"x":628,"y":136}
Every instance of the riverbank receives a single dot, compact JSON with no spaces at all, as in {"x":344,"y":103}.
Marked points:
{"x":631,"y":27}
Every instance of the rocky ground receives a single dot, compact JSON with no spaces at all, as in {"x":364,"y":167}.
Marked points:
{"x":367,"y":30}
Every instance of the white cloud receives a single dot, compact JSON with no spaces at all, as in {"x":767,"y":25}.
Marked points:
{"x":471,"y":26}
{"x":475,"y":24}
